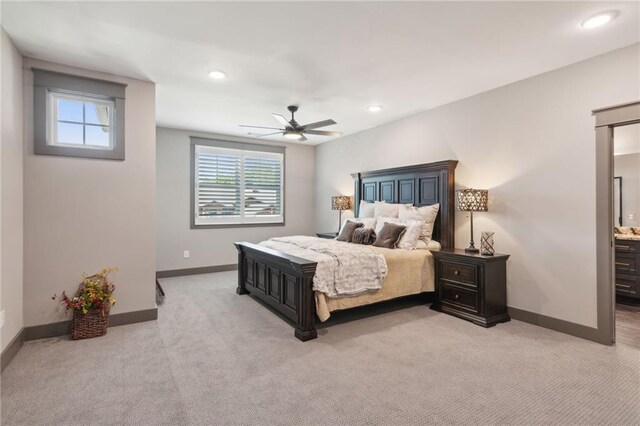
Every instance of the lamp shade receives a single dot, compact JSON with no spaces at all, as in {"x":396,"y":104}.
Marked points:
{"x":341,"y":202}
{"x":472,"y":200}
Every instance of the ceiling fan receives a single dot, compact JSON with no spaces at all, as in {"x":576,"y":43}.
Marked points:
{"x":295,"y":131}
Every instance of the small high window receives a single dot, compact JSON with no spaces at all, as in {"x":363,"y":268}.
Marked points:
{"x":77,"y":116}
{"x":80,"y":121}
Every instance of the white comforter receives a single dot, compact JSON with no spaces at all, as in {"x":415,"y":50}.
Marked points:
{"x":343,"y":269}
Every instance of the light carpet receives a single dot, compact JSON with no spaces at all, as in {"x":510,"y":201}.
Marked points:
{"x":216,"y":358}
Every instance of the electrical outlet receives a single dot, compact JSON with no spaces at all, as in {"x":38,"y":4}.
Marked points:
{"x":186,"y":254}
{"x":631,"y":216}
{"x":2,"y":319}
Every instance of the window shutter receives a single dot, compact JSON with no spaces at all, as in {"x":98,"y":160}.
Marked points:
{"x":218,"y":181}
{"x":238,"y":185}
{"x":262,"y":190}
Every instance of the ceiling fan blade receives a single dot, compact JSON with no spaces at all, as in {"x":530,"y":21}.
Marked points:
{"x":259,"y":127}
{"x":282,"y":120}
{"x":268,"y":134}
{"x":318,"y":124}
{"x":302,"y":138}
{"x":323,"y":133}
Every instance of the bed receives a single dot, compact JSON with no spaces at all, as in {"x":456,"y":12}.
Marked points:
{"x":285,"y":281}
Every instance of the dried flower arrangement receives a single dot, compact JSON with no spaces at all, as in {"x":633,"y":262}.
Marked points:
{"x":91,"y":304}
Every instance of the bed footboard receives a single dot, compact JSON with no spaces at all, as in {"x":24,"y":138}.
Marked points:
{"x":282,"y":281}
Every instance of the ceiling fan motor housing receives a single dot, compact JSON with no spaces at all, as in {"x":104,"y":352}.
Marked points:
{"x":293,"y":109}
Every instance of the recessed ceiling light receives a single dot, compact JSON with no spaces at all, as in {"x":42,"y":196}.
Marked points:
{"x":217,"y":74}
{"x":599,"y":20}
{"x":375,"y":108}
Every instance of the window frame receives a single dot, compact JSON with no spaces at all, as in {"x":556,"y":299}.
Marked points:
{"x":221,"y":222}
{"x":95,"y":90}
{"x":52,"y":118}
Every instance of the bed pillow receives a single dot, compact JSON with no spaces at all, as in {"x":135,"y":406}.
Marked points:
{"x":366,"y":210}
{"x":389,"y":236}
{"x":368,"y":223}
{"x":346,"y":234}
{"x":432,"y":245}
{"x":427,"y":214}
{"x":412,"y":232}
{"x":383,"y":209}
{"x":364,"y":235}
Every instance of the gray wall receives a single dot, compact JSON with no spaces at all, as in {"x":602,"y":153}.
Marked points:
{"x":212,"y":247}
{"x":11,"y":168}
{"x":628,"y":166}
{"x":81,"y":215}
{"x":531,"y":144}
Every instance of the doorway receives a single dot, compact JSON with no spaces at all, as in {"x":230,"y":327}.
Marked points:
{"x":618,"y":251}
{"x":626,"y":232}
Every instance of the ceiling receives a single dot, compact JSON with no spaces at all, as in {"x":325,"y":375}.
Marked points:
{"x":333,"y":59}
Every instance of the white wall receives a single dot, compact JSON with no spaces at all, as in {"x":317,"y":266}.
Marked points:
{"x":11,"y":168}
{"x":212,"y":247}
{"x":628,"y":167}
{"x":82,"y":215}
{"x":531,"y":144}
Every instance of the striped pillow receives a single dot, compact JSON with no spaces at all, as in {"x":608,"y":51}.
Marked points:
{"x":364,"y":236}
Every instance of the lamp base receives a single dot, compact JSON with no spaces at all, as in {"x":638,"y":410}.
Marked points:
{"x":471,"y":249}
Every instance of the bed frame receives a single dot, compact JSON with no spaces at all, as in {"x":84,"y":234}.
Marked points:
{"x":285,"y":282}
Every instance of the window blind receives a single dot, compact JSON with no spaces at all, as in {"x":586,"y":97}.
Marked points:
{"x":237,"y":186}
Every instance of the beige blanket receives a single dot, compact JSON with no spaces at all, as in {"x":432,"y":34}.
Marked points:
{"x":409,"y":272}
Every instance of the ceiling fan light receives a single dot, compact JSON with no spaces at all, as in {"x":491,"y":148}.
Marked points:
{"x":292,"y":135}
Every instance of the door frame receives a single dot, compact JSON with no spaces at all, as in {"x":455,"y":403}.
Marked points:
{"x":607,"y":119}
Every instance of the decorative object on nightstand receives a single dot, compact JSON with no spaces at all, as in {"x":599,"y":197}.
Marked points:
{"x":471,"y":286}
{"x":472,"y":200}
{"x":328,"y":235}
{"x":486,"y":243}
{"x":340,"y":202}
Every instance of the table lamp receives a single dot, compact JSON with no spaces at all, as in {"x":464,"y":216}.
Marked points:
{"x":340,"y":202}
{"x":472,"y":200}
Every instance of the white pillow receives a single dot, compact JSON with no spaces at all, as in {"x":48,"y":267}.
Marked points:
{"x":432,"y":245}
{"x":383,"y":209}
{"x":427,"y":214}
{"x":366,"y":210}
{"x":411,"y":233}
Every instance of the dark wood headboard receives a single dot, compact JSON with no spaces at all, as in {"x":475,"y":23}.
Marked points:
{"x":420,"y":185}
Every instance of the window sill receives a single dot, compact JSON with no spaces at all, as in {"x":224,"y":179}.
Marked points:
{"x":236,"y":225}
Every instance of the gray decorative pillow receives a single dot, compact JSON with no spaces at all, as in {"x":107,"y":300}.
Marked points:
{"x":348,"y":229}
{"x":389,"y":236}
{"x":364,"y":236}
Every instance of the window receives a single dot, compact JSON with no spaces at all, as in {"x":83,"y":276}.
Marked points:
{"x":77,"y":116}
{"x":80,"y":121}
{"x":236,"y":184}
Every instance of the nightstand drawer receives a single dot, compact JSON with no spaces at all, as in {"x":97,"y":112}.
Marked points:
{"x":465,"y":274}
{"x":626,"y":265}
{"x":459,"y":297}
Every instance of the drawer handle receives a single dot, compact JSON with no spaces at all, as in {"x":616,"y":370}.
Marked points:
{"x":622,"y":247}
{"x":622,"y":285}
{"x":622,"y":264}
{"x":456,"y":272}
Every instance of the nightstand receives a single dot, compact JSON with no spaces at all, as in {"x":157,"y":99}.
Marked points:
{"x":327,"y":235}
{"x":471,"y":286}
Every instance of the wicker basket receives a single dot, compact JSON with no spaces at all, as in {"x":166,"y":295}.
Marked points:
{"x":92,"y":324}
